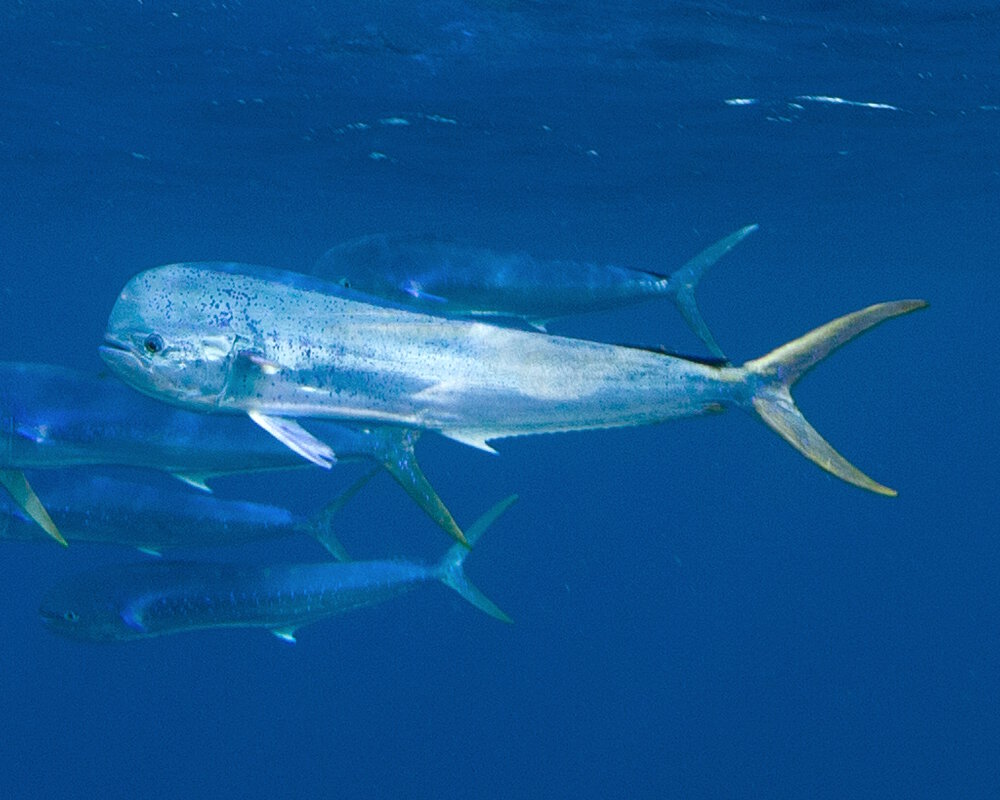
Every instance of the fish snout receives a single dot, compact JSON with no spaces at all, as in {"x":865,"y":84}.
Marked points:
{"x":118,"y":356}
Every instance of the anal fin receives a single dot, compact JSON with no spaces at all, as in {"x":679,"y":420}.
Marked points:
{"x":196,"y":480}
{"x":475,"y":439}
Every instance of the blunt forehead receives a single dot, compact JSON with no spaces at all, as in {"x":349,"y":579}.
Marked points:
{"x":195,"y":299}
{"x":182,"y":294}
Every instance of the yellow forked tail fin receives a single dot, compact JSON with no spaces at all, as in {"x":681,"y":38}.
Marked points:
{"x":772,"y":377}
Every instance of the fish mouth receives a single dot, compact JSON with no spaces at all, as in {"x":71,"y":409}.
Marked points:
{"x":117,"y":354}
{"x":111,"y":343}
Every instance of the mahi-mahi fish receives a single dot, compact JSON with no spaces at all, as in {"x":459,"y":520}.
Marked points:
{"x":138,"y":601}
{"x":53,"y":417}
{"x":153,"y":519}
{"x":279,"y":346}
{"x":462,"y":280}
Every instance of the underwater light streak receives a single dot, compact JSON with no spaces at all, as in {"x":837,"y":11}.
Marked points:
{"x":840,"y":101}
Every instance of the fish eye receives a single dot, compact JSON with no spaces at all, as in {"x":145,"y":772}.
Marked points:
{"x":345,"y":283}
{"x":71,"y":616}
{"x":153,"y":344}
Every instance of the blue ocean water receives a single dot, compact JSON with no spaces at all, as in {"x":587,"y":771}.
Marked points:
{"x":699,"y":612}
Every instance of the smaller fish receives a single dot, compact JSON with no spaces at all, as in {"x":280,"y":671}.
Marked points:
{"x":153,"y":519}
{"x":156,"y":598}
{"x":52,"y":417}
{"x":459,"y":280}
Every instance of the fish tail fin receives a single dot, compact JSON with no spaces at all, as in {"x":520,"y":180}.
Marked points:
{"x":16,"y":482}
{"x":771,"y":377}
{"x":681,"y":284}
{"x":396,"y":453}
{"x":320,"y":525}
{"x":449,"y":570}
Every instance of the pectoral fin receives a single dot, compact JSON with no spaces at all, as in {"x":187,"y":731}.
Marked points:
{"x":266,"y":366}
{"x":296,"y":438}
{"x":17,"y":484}
{"x":195,"y":479}
{"x":285,"y":634}
{"x":413,"y":289}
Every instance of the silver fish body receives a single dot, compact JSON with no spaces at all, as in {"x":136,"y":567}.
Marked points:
{"x":281,"y":346}
{"x":244,"y":338}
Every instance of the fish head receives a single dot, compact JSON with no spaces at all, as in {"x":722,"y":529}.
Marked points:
{"x":44,"y":411}
{"x":172,"y":335}
{"x":363,"y":264}
{"x":84,"y":609}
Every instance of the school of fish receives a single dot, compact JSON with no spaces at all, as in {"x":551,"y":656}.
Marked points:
{"x":242,"y":368}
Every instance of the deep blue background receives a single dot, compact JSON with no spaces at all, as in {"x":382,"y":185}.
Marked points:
{"x":699,"y":611}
